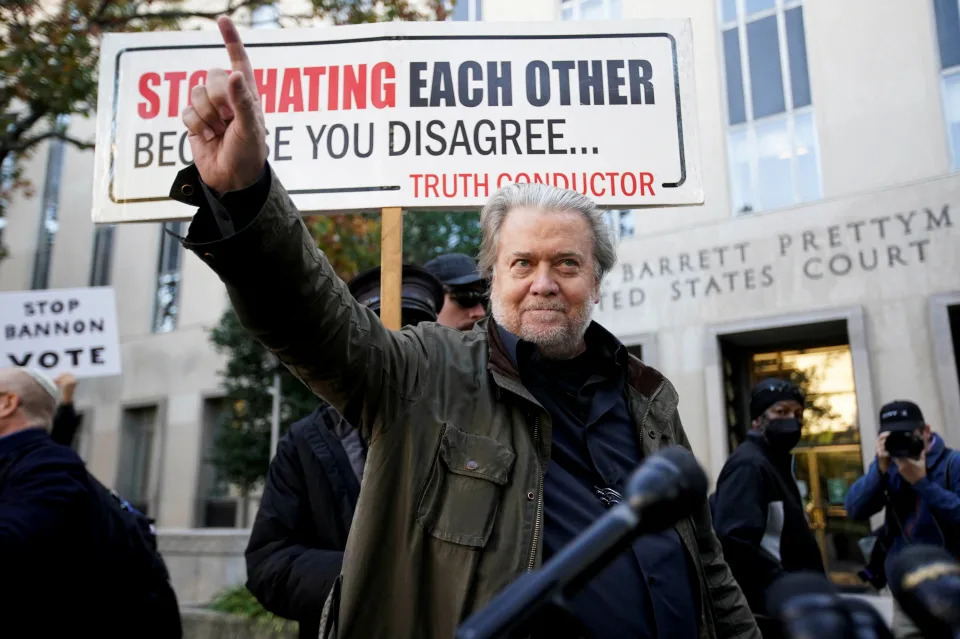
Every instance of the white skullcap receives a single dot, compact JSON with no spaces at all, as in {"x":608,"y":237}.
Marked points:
{"x":45,"y":383}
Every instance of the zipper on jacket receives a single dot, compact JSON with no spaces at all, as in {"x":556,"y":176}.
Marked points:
{"x":536,"y":525}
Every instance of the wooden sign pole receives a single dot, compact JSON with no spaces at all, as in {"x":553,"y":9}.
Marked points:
{"x":391,"y":266}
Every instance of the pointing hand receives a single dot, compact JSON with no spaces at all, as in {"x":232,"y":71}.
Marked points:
{"x":225,"y":120}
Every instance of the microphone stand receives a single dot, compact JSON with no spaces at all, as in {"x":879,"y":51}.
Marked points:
{"x":563,"y":575}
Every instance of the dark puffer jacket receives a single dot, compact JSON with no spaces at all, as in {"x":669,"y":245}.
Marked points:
{"x":296,"y":545}
{"x":54,"y":546}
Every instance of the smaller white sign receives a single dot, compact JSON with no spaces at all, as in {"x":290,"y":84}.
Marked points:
{"x":56,"y":331}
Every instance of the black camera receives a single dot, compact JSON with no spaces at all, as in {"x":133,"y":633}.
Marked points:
{"x":904,"y":443}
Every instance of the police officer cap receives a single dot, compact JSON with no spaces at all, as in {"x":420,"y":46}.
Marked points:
{"x":421,"y":299}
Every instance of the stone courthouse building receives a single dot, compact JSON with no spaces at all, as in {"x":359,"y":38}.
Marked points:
{"x":828,"y":247}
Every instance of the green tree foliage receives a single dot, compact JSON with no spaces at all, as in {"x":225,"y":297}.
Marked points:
{"x":241,"y":602}
{"x":241,"y":445}
{"x":427,"y":234}
{"x":49,"y":55}
{"x":352,"y":241}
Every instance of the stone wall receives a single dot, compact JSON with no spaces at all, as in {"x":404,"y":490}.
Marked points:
{"x":204,"y":562}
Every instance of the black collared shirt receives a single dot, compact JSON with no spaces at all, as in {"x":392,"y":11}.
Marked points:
{"x":646,"y":593}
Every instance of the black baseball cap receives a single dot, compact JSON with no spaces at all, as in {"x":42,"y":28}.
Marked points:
{"x":454,"y":269}
{"x":901,"y":415}
{"x":421,"y":297}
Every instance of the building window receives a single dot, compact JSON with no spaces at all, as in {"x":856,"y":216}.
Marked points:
{"x":772,"y":140}
{"x":137,"y":437}
{"x":6,"y":177}
{"x":102,"y":255}
{"x":217,"y":505}
{"x":467,"y":10}
{"x":50,"y":205}
{"x":6,"y":184}
{"x":166,"y":304}
{"x":619,"y":221}
{"x":590,"y":10}
{"x":948,"y":37}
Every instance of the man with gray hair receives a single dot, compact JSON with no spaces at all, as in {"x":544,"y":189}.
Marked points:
{"x":37,"y":396}
{"x":70,"y":564}
{"x":490,"y":449}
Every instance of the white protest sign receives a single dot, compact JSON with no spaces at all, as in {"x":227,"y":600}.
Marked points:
{"x":68,"y":330}
{"x":417,"y":115}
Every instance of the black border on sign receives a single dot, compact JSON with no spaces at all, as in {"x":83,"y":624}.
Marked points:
{"x":356,"y":189}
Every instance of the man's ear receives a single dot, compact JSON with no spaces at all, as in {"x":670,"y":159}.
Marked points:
{"x":9,"y":403}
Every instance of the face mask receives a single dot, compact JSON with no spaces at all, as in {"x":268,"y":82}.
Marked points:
{"x":783,"y":434}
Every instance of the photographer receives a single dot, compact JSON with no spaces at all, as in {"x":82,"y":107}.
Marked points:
{"x":915,"y":477}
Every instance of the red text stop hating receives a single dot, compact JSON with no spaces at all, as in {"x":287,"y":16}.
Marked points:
{"x":437,"y":84}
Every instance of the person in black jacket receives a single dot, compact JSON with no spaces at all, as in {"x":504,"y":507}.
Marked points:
{"x":70,"y":564}
{"x":52,"y":536}
{"x":66,"y":421}
{"x":758,"y":513}
{"x":296,"y":546}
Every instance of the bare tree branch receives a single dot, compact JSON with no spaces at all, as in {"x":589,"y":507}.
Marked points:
{"x":298,"y":18}
{"x":98,"y":14}
{"x":113,"y":21}
{"x":17,"y":129}
{"x":26,"y":143}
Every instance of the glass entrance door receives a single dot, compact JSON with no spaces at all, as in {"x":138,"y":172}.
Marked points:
{"x":824,"y":474}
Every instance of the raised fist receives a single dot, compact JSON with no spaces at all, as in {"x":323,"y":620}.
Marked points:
{"x":67,"y":384}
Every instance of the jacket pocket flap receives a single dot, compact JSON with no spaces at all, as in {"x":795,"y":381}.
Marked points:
{"x":476,"y":455}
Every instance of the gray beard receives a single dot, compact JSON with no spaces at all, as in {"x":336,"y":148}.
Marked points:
{"x":567,"y":345}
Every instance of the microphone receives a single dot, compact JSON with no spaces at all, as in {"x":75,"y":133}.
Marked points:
{"x":808,"y":606}
{"x":667,"y":487}
{"x":669,"y":480}
{"x":867,"y":622}
{"x":925,"y":580}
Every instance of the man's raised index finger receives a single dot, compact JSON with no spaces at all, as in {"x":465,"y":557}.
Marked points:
{"x":236,"y":51}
